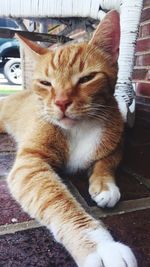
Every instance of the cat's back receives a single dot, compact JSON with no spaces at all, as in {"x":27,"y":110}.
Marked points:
{"x":18,"y":105}
{"x":17,"y":111}
{"x":14,"y":101}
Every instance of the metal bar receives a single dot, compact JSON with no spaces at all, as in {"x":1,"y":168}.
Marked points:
{"x":35,"y":36}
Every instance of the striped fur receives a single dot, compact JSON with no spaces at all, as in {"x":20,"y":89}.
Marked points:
{"x":87,"y":133}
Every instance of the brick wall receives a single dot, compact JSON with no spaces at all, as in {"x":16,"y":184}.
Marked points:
{"x":141,"y":74}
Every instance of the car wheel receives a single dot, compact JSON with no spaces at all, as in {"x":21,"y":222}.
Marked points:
{"x":12,"y":71}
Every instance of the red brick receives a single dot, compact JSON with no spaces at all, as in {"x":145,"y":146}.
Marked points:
{"x":143,"y":88}
{"x":144,"y":30}
{"x":148,"y":75}
{"x":145,"y":14}
{"x":140,"y":74}
{"x":143,"y":60}
{"x":143,"y":45}
{"x":146,"y":3}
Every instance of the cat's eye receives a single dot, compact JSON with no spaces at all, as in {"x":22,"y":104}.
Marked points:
{"x":87,"y":78}
{"x":46,"y":83}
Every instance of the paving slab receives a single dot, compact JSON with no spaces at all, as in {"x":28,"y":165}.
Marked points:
{"x":137,"y":144}
{"x":33,"y":248}
{"x":7,"y":143}
{"x":6,"y":162}
{"x":10,"y":211}
{"x":129,"y":186}
{"x":133,"y":230}
{"x":36,"y":247}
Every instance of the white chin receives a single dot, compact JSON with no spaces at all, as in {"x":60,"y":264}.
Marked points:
{"x":67,"y":123}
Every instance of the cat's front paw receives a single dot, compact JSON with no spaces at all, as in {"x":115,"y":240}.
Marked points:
{"x":111,"y":254}
{"x":105,"y":197}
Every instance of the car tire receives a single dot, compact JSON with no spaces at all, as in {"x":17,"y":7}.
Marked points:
{"x":12,"y":71}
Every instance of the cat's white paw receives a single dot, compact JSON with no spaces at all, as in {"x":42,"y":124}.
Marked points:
{"x":106,"y":198}
{"x":111,"y":254}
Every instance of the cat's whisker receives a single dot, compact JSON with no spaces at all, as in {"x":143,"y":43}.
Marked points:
{"x":103,"y":106}
{"x":91,"y":110}
{"x":98,"y":116}
{"x":98,"y":110}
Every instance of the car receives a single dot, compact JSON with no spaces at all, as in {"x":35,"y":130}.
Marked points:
{"x":10,"y":54}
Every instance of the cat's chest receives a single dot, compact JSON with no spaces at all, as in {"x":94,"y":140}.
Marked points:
{"x":83,"y":143}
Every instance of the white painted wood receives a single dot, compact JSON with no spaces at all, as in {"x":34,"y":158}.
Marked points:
{"x":130,"y":12}
{"x":111,"y":4}
{"x":50,"y":8}
{"x":55,"y":8}
{"x":130,"y":17}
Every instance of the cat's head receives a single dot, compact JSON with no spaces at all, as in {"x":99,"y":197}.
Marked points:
{"x":76,"y":82}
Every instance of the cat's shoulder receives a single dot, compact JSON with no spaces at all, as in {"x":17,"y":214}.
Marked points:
{"x":19,"y":96}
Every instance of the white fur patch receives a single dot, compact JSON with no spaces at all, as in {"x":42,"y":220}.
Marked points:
{"x":107,"y":198}
{"x":54,"y":229}
{"x":111,"y":254}
{"x":83,"y":142}
{"x":100,"y":235}
{"x":108,"y":253}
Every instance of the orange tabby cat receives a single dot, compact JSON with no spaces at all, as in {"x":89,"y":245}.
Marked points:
{"x":70,"y":120}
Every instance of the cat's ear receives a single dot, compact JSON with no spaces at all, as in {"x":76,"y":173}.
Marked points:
{"x":107,"y":34}
{"x":33,"y":48}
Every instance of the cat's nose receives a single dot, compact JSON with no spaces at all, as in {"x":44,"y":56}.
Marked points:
{"x":63,"y":103}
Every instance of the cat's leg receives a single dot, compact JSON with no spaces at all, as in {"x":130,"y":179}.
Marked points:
{"x":2,"y":126}
{"x":2,"y":130}
{"x":39,"y":190}
{"x":102,"y":186}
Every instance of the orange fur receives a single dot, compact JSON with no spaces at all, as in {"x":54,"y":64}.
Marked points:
{"x":71,"y":100}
